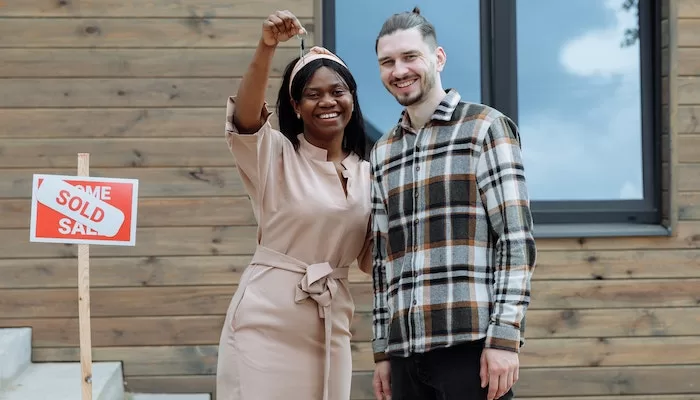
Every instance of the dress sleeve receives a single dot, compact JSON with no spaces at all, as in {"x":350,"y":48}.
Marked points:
{"x":253,"y":152}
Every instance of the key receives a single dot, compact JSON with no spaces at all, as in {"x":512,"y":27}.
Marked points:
{"x":301,"y":46}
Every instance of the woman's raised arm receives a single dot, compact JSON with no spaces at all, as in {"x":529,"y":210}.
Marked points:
{"x":278,"y":27}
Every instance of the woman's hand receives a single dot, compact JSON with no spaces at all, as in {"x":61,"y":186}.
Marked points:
{"x":280,"y":27}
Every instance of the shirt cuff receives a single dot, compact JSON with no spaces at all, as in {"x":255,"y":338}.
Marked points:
{"x":503,"y":337}
{"x":379,"y":348}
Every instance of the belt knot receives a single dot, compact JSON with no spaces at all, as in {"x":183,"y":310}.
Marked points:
{"x":317,"y":285}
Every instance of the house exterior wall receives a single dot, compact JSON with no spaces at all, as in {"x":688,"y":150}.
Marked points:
{"x":141,"y":85}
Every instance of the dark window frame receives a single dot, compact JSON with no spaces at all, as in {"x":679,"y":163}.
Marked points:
{"x":499,"y":89}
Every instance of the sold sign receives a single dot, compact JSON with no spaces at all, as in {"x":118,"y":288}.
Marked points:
{"x":83,"y":210}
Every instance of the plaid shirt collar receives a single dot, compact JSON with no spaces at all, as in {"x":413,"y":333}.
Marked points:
{"x":443,"y":112}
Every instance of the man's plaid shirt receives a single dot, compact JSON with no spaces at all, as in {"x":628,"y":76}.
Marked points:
{"x":454,"y":251}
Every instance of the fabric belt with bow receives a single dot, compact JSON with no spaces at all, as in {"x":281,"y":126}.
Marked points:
{"x":319,"y":283}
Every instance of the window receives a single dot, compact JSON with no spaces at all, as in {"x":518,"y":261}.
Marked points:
{"x":580,"y":77}
{"x":362,"y":20}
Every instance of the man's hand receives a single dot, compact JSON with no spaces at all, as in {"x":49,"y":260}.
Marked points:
{"x":499,"y":370}
{"x":381,"y":380}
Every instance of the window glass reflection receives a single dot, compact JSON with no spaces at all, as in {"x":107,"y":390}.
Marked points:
{"x":357,"y":24}
{"x":579,"y":99}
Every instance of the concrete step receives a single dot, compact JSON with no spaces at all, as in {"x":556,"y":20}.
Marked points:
{"x":149,"y":396}
{"x":61,"y":381}
{"x":15,"y":353}
{"x":20,"y":379}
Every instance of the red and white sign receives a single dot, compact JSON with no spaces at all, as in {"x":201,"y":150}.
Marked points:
{"x":84,"y":210}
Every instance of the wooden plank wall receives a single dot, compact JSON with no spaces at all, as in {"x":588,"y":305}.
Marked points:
{"x":142,"y":86}
{"x":136,"y":82}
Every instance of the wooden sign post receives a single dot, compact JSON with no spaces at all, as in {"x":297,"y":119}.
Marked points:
{"x":84,"y":210}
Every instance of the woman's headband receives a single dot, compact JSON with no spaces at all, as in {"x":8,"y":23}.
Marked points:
{"x":314,"y":53}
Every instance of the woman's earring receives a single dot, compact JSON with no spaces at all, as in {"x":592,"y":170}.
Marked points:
{"x":298,"y":116}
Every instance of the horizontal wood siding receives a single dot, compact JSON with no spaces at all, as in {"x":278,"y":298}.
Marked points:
{"x":141,"y":85}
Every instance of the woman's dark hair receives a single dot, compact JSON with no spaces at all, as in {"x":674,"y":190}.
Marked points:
{"x":354,"y":138}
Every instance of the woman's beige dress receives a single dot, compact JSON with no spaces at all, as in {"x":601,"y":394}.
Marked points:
{"x":287,"y":330}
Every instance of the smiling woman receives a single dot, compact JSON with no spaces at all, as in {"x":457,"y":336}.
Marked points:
{"x":310,"y":190}
{"x":323,"y":94}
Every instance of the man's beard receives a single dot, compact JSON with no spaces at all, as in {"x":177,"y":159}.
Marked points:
{"x":409,"y":100}
{"x":426,"y":87}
